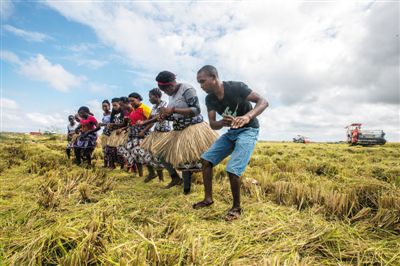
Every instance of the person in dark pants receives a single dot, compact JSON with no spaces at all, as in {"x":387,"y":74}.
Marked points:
{"x":232,"y":100}
{"x":86,"y":141}
{"x":111,"y":155}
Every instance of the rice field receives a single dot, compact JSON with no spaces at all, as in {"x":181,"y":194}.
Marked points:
{"x":313,"y":204}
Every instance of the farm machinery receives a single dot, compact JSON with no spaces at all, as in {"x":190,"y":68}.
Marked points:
{"x":301,"y":139}
{"x":358,"y":136}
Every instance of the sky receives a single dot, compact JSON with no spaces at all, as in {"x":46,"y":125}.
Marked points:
{"x":321,"y":65}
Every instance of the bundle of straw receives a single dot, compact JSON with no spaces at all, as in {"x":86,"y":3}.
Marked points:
{"x":185,"y":146}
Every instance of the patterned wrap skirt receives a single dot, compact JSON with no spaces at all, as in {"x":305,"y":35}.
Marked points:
{"x":131,"y":151}
{"x":86,"y":141}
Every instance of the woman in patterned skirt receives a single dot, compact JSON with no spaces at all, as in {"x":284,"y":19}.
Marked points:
{"x":133,"y":153}
{"x":161,"y":128}
{"x":111,"y":156}
{"x":86,"y":142}
{"x":191,"y":136}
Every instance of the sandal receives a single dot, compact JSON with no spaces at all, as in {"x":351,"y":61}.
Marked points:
{"x":202,"y":204}
{"x":233,"y":214}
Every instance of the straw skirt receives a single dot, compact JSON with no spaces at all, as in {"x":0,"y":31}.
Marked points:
{"x":103,"y":140}
{"x":183,"y":148}
{"x":115,"y":140}
{"x":151,"y":141}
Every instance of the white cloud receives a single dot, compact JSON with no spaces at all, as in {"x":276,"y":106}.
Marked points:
{"x":27,"y":35}
{"x":91,"y":63}
{"x":95,"y":108}
{"x":86,"y":54}
{"x":6,"y":9}
{"x":39,"y":68}
{"x":9,"y":57}
{"x":11,"y":115}
{"x":100,"y":88}
{"x":321,"y":65}
{"x":8,"y":104}
{"x":84,"y":47}
{"x":46,"y":120}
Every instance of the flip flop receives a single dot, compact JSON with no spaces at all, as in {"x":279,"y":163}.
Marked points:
{"x":202,"y":204}
{"x":233,"y":214}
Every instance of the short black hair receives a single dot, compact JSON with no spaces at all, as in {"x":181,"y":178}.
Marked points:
{"x":114,"y":100}
{"x":124,"y":99}
{"x":84,"y":109}
{"x":71,"y":116}
{"x":209,"y":70}
{"x":165,"y":77}
{"x":156,"y":92}
{"x":135,"y":95}
{"x":106,"y":101}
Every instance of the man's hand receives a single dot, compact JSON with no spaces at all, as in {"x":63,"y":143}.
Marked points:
{"x":240,"y":121}
{"x":141,"y":134}
{"x":139,"y":122}
{"x":118,"y":131}
{"x":227,"y":120}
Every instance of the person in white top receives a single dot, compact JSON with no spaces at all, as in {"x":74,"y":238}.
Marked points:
{"x":72,"y":125}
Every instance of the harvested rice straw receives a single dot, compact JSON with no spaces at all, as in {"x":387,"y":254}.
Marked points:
{"x":185,"y":146}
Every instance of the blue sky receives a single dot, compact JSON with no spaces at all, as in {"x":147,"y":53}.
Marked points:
{"x":101,"y":72}
{"x":329,"y":65}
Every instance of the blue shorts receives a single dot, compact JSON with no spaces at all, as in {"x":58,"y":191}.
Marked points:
{"x":239,"y":143}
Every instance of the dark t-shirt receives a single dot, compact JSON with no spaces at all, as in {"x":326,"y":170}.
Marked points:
{"x":234,"y":102}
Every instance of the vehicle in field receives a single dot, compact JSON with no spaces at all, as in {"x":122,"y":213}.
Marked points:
{"x":358,"y":136}
{"x":301,"y":139}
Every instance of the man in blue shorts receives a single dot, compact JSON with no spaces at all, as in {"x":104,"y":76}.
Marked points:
{"x":231,"y":100}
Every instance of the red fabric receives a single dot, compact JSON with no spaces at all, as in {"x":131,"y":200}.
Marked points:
{"x":126,"y":115}
{"x":354,"y":137}
{"x":88,"y":123}
{"x":136,"y":115}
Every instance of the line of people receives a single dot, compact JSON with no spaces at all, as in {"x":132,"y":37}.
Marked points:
{"x":190,"y":145}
